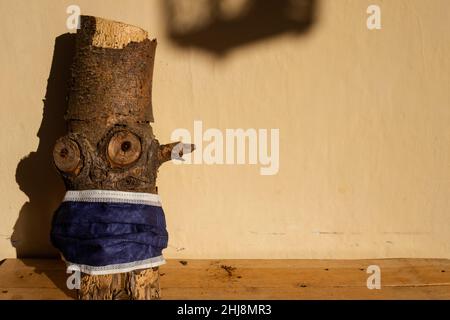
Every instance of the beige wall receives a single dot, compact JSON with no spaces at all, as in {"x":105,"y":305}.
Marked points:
{"x":364,"y":133}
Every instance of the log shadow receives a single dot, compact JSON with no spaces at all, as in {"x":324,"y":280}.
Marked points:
{"x":207,"y":26}
{"x":35,"y":173}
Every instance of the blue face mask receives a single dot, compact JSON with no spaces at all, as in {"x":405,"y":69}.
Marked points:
{"x":105,"y":232}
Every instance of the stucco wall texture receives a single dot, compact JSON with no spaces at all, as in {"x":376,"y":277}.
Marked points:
{"x":363,"y":117}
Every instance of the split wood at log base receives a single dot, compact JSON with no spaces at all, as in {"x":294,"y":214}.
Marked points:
{"x":110,"y":144}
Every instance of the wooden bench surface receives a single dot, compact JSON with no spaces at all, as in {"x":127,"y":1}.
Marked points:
{"x":252,"y":279}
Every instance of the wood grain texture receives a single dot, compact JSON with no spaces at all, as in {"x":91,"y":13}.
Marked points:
{"x":114,"y":34}
{"x":250,"y":279}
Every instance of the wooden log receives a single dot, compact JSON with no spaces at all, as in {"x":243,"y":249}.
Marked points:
{"x":134,"y":285}
{"x":110,"y":144}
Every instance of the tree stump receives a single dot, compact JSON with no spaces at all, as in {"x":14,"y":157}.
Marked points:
{"x":110,"y":144}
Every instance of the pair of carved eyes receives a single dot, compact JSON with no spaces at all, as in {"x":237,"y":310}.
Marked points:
{"x":124,"y":148}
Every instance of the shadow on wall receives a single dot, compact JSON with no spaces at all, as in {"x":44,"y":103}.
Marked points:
{"x":219,"y":26}
{"x":35,"y":174}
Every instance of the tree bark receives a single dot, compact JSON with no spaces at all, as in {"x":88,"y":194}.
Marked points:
{"x":110,"y":144}
{"x":134,"y":285}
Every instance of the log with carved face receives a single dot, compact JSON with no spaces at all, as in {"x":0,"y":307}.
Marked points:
{"x":110,"y":225}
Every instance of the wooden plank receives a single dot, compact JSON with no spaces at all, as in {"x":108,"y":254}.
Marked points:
{"x":252,"y":279}
{"x":35,"y":294}
{"x":253,"y":293}
{"x":308,"y":263}
{"x":231,"y":272}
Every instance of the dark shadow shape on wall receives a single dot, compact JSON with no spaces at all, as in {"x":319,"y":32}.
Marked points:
{"x":211,"y":30}
{"x":35,"y":174}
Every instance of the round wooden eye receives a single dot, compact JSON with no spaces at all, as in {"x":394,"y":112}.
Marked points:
{"x":66,"y":155}
{"x":124,"y":148}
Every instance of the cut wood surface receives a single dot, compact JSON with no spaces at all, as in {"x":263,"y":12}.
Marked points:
{"x":252,"y":279}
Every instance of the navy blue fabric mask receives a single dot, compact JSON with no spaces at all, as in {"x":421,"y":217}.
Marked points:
{"x":104,"y":232}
